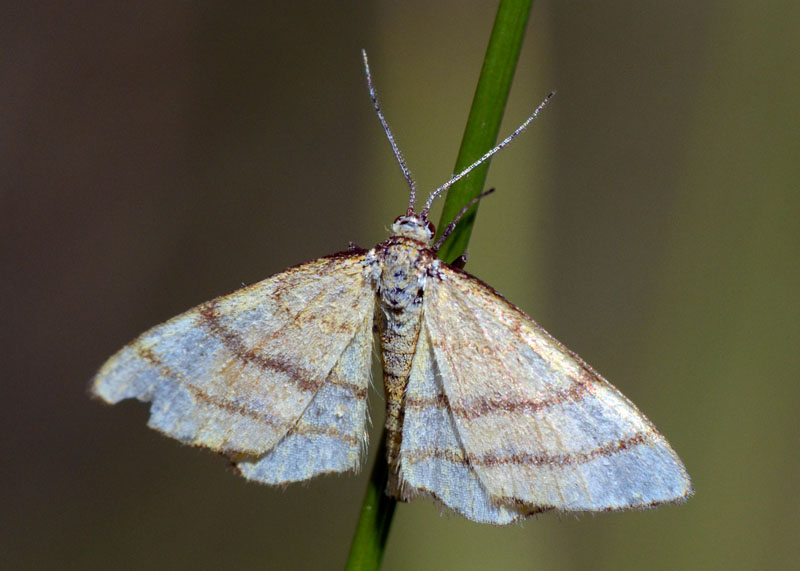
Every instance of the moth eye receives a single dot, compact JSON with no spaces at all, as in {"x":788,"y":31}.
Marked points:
{"x":430,"y":228}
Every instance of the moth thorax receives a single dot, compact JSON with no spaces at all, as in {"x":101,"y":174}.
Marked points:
{"x":414,"y":227}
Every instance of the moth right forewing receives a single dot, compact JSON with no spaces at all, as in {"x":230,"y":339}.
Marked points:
{"x":330,"y":435}
{"x":234,"y":374}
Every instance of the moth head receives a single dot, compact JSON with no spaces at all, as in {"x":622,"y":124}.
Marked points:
{"x":414,"y":227}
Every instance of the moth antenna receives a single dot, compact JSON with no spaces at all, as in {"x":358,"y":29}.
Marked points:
{"x":452,"y":225}
{"x":485,"y":157}
{"x":406,"y":173}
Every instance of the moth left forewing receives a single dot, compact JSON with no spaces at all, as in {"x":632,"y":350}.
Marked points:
{"x":433,"y":461}
{"x":540,"y":428}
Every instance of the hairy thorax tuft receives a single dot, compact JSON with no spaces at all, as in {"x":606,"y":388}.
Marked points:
{"x":414,"y":227}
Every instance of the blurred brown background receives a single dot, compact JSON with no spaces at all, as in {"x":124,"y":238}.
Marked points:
{"x":155,"y":155}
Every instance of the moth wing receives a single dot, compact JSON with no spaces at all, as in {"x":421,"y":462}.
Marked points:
{"x":331,"y":435}
{"x":432,"y":457}
{"x":257,"y":368}
{"x":539,"y":427}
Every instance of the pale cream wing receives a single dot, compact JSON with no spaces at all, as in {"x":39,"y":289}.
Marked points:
{"x":539,"y":427}
{"x":285,"y":358}
{"x":432,"y":457}
{"x":331,"y":434}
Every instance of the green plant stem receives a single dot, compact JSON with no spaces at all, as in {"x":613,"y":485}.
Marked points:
{"x":480,"y":135}
{"x":377,"y":510}
{"x":484,"y":120}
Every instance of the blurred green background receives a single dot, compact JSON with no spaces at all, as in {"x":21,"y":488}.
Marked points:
{"x":155,"y":155}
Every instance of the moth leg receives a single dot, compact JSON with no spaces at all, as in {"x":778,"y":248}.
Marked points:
{"x":461,"y":261}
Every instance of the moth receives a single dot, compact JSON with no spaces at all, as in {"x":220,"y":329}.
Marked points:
{"x":486,"y":413}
